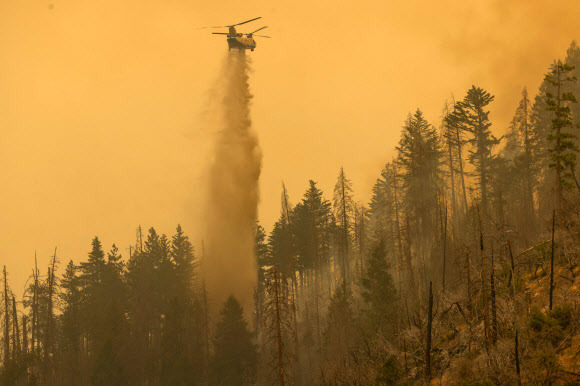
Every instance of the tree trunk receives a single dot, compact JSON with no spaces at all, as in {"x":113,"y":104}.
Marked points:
{"x":515,"y":318}
{"x":278,"y":330}
{"x":6,"y":321}
{"x":552,"y":259}
{"x":493,"y":305}
{"x":483,"y":287}
{"x":444,"y":249}
{"x":429,"y":325}
{"x":16,"y":333}
{"x":461,"y":173}
{"x":559,"y":188}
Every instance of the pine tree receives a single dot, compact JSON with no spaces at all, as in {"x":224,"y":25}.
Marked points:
{"x":523,"y":148}
{"x":279,"y":325}
{"x":339,"y":335}
{"x":379,"y":293}
{"x":234,"y":359}
{"x":313,"y":229}
{"x":72,"y":323}
{"x":419,"y":158}
{"x":471,"y":116}
{"x":183,"y":258}
{"x":343,"y":205}
{"x":562,"y":147}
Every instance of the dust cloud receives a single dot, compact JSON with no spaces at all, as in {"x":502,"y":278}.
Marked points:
{"x":229,"y":264}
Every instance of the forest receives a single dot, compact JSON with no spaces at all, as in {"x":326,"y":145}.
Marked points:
{"x":462,"y":269}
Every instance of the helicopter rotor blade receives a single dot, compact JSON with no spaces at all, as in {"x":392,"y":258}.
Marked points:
{"x":259,"y":29}
{"x":220,"y":26}
{"x":244,"y":22}
{"x":263,"y":36}
{"x":220,"y":33}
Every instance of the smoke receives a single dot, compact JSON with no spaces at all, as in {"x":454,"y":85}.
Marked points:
{"x":232,"y":198}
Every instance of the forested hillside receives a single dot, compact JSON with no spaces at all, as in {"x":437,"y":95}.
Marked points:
{"x":461,"y":269}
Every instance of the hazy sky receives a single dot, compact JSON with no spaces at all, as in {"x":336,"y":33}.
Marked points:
{"x":101,"y":101}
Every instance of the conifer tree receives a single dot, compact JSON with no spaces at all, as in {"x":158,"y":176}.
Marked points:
{"x":562,"y":135}
{"x":234,"y":359}
{"x":339,"y":335}
{"x":523,"y":148}
{"x":72,"y":323}
{"x":419,"y":158}
{"x":379,"y":293}
{"x":471,"y":115}
{"x":343,"y":205}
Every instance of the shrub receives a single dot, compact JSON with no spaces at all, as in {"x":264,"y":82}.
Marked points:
{"x":562,"y":314}
{"x":391,"y":372}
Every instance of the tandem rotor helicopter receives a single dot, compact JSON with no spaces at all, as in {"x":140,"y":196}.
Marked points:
{"x":237,"y":40}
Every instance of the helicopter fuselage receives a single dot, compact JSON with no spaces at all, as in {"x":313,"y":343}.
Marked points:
{"x":239,"y":42}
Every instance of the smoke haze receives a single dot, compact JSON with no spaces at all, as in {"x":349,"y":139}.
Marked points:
{"x":99,"y":100}
{"x":233,"y":195}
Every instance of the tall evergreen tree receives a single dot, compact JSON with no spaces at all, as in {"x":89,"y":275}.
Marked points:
{"x":523,"y":149}
{"x":72,"y":323}
{"x":562,"y":137}
{"x":472,"y":116}
{"x":234,"y":359}
{"x":419,"y":158}
{"x":379,"y":293}
{"x":343,"y":205}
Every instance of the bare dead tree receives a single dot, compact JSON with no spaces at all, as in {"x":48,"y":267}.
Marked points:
{"x":493,"y":302}
{"x":515,"y":316}
{"x":6,"y":320}
{"x":552,"y":259}
{"x":484,"y":299}
{"x":279,"y":324}
{"x":429,"y":326}
{"x":16,"y":330}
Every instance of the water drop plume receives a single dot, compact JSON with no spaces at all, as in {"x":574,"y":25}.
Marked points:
{"x":233,"y":193}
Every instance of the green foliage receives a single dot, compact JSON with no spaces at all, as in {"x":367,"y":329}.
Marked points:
{"x":391,"y":372}
{"x":343,"y":206}
{"x":546,"y":329}
{"x":378,"y":291}
{"x":471,"y":115}
{"x":419,"y":158}
{"x":562,"y":138}
{"x":537,"y":320}
{"x":562,"y":314}
{"x":234,"y":360}
{"x":339,"y":335}
{"x":313,"y":227}
{"x":464,"y":373}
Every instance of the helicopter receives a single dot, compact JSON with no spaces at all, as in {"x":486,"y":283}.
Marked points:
{"x":240,"y":41}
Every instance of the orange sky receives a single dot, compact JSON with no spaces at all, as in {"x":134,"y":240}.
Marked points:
{"x":101,"y":101}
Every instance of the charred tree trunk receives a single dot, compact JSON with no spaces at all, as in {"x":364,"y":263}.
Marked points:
{"x":16,"y":332}
{"x":429,"y":325}
{"x":34,"y":336}
{"x":24,"y":335}
{"x":493,"y":305}
{"x":278,"y":329}
{"x":483,"y":287}
{"x":552,"y":259}
{"x":345,"y":259}
{"x":6,"y":321}
{"x":461,"y":173}
{"x":452,"y":177}
{"x":515,"y":317}
{"x":444,"y":249}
